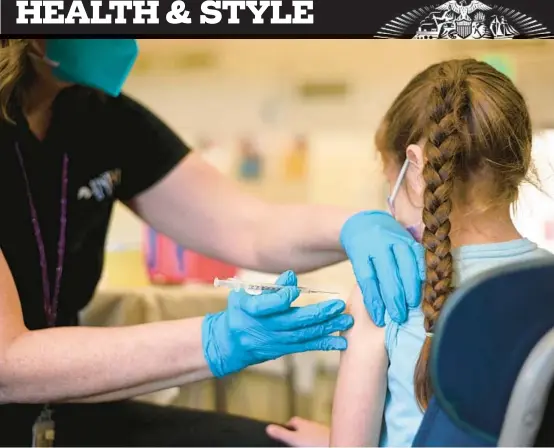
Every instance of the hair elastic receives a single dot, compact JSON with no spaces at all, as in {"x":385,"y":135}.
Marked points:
{"x":429,"y":334}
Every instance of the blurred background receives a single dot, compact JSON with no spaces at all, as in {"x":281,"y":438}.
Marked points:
{"x":291,"y":121}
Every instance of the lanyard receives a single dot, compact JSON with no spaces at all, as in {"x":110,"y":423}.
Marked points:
{"x":50,"y":298}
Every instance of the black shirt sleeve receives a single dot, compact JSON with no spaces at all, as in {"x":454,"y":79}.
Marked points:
{"x":146,"y":147}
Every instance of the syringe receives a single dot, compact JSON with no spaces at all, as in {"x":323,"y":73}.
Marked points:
{"x":257,"y":288}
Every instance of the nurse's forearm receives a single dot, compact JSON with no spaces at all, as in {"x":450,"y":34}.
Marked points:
{"x":300,"y":237}
{"x":72,"y":363}
{"x":144,"y":389}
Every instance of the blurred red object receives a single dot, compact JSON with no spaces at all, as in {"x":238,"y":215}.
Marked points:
{"x":168,"y":263}
{"x":164,"y":259}
{"x":201,"y":269}
{"x":549,"y":230}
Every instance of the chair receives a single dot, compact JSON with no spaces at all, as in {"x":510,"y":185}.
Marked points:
{"x":492,"y":362}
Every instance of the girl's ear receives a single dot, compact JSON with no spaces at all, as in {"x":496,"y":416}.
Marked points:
{"x":414,"y":153}
{"x":414,"y":176}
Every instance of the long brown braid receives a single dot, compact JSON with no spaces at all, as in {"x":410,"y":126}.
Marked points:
{"x":477,"y":140}
{"x":448,"y":125}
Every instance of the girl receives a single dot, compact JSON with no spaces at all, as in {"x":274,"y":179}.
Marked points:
{"x":456,"y":145}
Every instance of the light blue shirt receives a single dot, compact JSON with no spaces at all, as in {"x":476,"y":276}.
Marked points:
{"x":402,"y":415}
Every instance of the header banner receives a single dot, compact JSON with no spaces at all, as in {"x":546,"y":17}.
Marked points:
{"x":454,"y":19}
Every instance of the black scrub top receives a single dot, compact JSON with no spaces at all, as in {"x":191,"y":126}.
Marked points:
{"x":116,"y":149}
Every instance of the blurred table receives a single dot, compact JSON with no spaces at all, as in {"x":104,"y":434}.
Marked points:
{"x":131,"y":306}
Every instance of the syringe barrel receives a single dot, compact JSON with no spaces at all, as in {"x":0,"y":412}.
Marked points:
{"x":236,"y":284}
{"x":227,"y":283}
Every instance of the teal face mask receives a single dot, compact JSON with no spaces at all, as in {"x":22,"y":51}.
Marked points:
{"x":102,"y":64}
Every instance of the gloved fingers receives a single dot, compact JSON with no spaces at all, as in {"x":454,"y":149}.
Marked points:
{"x":338,"y":323}
{"x":305,"y":316}
{"x":409,"y":273}
{"x":326,"y":343}
{"x":359,"y":263}
{"x":390,"y":284}
{"x":419,"y":253}
{"x":287,"y":278}
{"x":372,"y":296}
{"x":365,"y":276}
{"x":266,"y":304}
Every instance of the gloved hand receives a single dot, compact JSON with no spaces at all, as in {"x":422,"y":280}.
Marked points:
{"x":257,"y":328}
{"x":378,"y":245}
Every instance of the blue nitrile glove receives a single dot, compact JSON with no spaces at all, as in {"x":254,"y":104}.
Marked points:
{"x":257,"y":328}
{"x":378,"y":245}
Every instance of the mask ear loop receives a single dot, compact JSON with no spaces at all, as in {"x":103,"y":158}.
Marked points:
{"x":398,"y":184}
{"x":44,"y":59}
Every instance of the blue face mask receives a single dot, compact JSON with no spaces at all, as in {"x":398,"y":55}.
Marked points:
{"x":102,"y":64}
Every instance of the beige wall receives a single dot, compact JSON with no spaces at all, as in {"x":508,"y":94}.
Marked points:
{"x":375,"y":69}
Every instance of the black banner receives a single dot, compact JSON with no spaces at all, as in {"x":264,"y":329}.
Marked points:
{"x":453,"y":19}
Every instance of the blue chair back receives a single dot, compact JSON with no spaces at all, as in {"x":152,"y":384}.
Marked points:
{"x":486,"y":333}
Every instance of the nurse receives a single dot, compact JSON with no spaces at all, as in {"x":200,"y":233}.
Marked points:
{"x":72,"y":145}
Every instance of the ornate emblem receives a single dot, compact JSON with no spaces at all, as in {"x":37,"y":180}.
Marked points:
{"x":464,"y":19}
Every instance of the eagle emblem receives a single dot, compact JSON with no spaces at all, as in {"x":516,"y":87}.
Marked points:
{"x":460,"y":19}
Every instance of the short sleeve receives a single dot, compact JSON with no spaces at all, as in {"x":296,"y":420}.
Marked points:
{"x":146,"y":148}
{"x":391,"y":331}
{"x":410,"y":334}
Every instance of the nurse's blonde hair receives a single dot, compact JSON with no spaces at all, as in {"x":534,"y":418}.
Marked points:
{"x":15,"y":73}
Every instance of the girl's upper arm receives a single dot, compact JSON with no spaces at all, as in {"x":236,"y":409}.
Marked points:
{"x":11,"y":316}
{"x":362,"y":381}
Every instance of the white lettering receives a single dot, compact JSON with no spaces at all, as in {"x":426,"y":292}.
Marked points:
{"x":233,"y":6}
{"x":178,"y":13}
{"x":77,"y":11}
{"x":258,"y":11}
{"x":151,"y":10}
{"x":146,"y":11}
{"x":23,"y":12}
{"x":52,"y":13}
{"x":301,"y":8}
{"x":121,"y":6}
{"x":211,"y":13}
{"x":96,"y":17}
{"x":276,"y":18}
